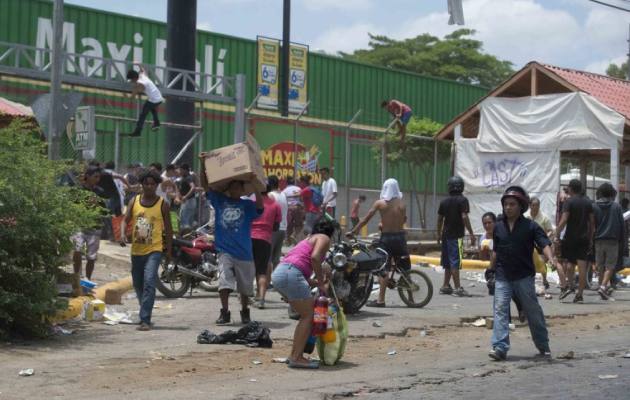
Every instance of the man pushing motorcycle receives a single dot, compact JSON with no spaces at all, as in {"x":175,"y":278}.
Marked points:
{"x":393,"y":237}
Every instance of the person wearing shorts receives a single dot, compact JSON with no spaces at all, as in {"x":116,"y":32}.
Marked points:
{"x":292,"y":279}
{"x":89,"y":238}
{"x":609,"y":236}
{"x":232,"y":239}
{"x":401,"y":111}
{"x":452,"y":222}
{"x":262,"y":233}
{"x":395,"y":243}
{"x":278,"y":236}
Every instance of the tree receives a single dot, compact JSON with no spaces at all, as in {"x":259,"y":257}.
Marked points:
{"x":417,"y":155}
{"x":37,"y":218}
{"x":456,"y":57}
{"x":618,"y":71}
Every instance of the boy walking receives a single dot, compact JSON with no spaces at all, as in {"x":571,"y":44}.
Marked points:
{"x":452,"y":219}
{"x":232,"y":238}
{"x":513,"y":267}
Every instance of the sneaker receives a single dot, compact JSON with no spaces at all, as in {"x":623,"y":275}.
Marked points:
{"x":245,"y":319}
{"x":543,"y":355}
{"x":224,"y":318}
{"x":565,"y":291}
{"x":446,"y":290}
{"x":374,"y":303}
{"x":260,"y":304}
{"x":578,"y":298}
{"x":497,"y":355}
{"x":603,"y":293}
{"x":144,"y":327}
{"x":610,"y":291}
{"x":155,"y":127}
{"x":460,"y":292}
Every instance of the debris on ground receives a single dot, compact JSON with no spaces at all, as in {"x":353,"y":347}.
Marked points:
{"x":391,"y":353}
{"x":60,"y":330}
{"x":377,"y":324}
{"x":479,"y":323}
{"x":608,"y":376}
{"x":256,"y":362}
{"x":423,"y":333}
{"x":627,"y":355}
{"x":114,"y":316}
{"x":512,"y":327}
{"x":569,"y":355}
{"x":281,"y":360}
{"x":254,"y":334}
{"x":26,"y":372}
{"x":548,"y":296}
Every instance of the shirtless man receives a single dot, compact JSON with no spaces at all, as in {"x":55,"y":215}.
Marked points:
{"x":393,"y":237}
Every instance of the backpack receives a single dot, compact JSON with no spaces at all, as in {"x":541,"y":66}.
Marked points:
{"x":317,"y":198}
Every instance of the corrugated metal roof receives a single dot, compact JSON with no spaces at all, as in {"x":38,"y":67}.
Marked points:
{"x":615,"y":93}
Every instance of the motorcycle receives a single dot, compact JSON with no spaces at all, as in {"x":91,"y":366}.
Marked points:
{"x":194,"y":263}
{"x":354,"y":265}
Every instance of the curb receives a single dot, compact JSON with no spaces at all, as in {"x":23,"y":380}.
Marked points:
{"x":77,"y":304}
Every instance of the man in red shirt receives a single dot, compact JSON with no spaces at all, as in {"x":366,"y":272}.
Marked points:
{"x":401,"y":112}
{"x":311,"y":211}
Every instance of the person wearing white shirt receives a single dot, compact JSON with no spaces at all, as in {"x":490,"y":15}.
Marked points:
{"x":142,"y":84}
{"x":295,"y":213}
{"x":329,"y":192}
{"x":277,"y":239}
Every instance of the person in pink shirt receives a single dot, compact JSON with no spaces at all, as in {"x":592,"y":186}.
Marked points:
{"x":262,"y":231}
{"x":401,"y":112}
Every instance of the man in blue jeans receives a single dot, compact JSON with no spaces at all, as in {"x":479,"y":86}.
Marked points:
{"x":513,"y":266}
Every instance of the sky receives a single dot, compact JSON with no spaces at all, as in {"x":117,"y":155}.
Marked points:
{"x":575,"y":34}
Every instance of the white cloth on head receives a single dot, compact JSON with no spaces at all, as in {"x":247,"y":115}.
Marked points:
{"x":391,"y":190}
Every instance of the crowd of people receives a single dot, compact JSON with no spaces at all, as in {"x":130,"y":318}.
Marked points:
{"x":250,"y":230}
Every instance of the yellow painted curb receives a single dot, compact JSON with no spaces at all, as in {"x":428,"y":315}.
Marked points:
{"x":76,"y":304}
{"x":466,"y":264}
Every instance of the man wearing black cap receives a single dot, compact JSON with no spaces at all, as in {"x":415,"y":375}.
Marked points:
{"x":514,"y":239}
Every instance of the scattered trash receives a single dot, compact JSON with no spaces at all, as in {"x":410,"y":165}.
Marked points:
{"x":168,"y":306}
{"x":253,"y":380}
{"x":566,"y":356}
{"x":111,"y":323}
{"x":26,"y":372}
{"x":60,"y":330}
{"x":627,"y":355}
{"x":120,"y":316}
{"x":131,"y":296}
{"x":281,"y":360}
{"x":548,"y":296}
{"x":480,"y":322}
{"x":254,"y":334}
{"x":377,"y":324}
{"x":391,"y":353}
{"x":423,"y":333}
{"x":597,"y":327}
{"x":256,"y":362}
{"x":512,"y":327}
{"x":608,"y":376}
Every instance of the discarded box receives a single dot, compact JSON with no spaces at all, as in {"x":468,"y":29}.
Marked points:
{"x":113,"y":296}
{"x":68,"y":284}
{"x":241,"y":161}
{"x":95,"y":310}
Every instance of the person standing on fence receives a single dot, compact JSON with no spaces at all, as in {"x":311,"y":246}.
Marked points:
{"x":329,"y":192}
{"x":151,"y":235}
{"x":354,"y":213}
{"x":578,"y":218}
{"x":277,"y":239}
{"x":142,"y":84}
{"x":188,"y":205}
{"x":514,"y":239}
{"x":452,"y":222}
{"x":393,"y":236}
{"x":401,"y":112}
{"x":295,"y":213}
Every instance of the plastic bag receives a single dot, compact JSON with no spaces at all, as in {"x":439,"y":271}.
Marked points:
{"x":331,"y":353}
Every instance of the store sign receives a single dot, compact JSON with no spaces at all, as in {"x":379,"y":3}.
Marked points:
{"x":268,"y":72}
{"x":298,"y":65}
{"x":84,"y":137}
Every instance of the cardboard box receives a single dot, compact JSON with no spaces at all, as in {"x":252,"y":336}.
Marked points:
{"x":69,"y":284}
{"x":239,"y":161}
{"x":113,"y":296}
{"x":95,"y":310}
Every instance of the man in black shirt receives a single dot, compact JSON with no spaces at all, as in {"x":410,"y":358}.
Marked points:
{"x":577,"y":216}
{"x":453,"y":217}
{"x":513,"y":266}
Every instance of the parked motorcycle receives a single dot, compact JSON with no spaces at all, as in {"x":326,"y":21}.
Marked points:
{"x":354,"y":266}
{"x":194,"y":263}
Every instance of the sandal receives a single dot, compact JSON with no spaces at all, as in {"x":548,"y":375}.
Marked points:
{"x":310,"y":365}
{"x":374,"y":303}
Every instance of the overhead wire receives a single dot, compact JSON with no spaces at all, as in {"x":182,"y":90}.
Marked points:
{"x":603,"y":3}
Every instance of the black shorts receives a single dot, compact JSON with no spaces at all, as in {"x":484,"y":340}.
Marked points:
{"x":262,"y":255}
{"x":396,"y":245}
{"x":573,"y":250}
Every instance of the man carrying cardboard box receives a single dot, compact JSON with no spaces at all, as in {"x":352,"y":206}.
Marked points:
{"x":232,"y":238}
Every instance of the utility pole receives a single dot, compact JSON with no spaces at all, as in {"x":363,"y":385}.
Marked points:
{"x":56,"y":59}
{"x":628,"y":62}
{"x":286,"y":45}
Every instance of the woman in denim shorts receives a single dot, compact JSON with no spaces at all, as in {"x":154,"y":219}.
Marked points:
{"x":292,"y":279}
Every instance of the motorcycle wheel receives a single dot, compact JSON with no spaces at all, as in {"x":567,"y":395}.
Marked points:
{"x":358,"y":297}
{"x":415,"y":288}
{"x":172,"y":284}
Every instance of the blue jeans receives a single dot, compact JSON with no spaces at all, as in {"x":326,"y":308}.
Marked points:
{"x":187,"y":213}
{"x":525,"y":291}
{"x":144,"y":274}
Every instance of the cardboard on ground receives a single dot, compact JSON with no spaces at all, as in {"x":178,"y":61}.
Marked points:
{"x":239,"y":161}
